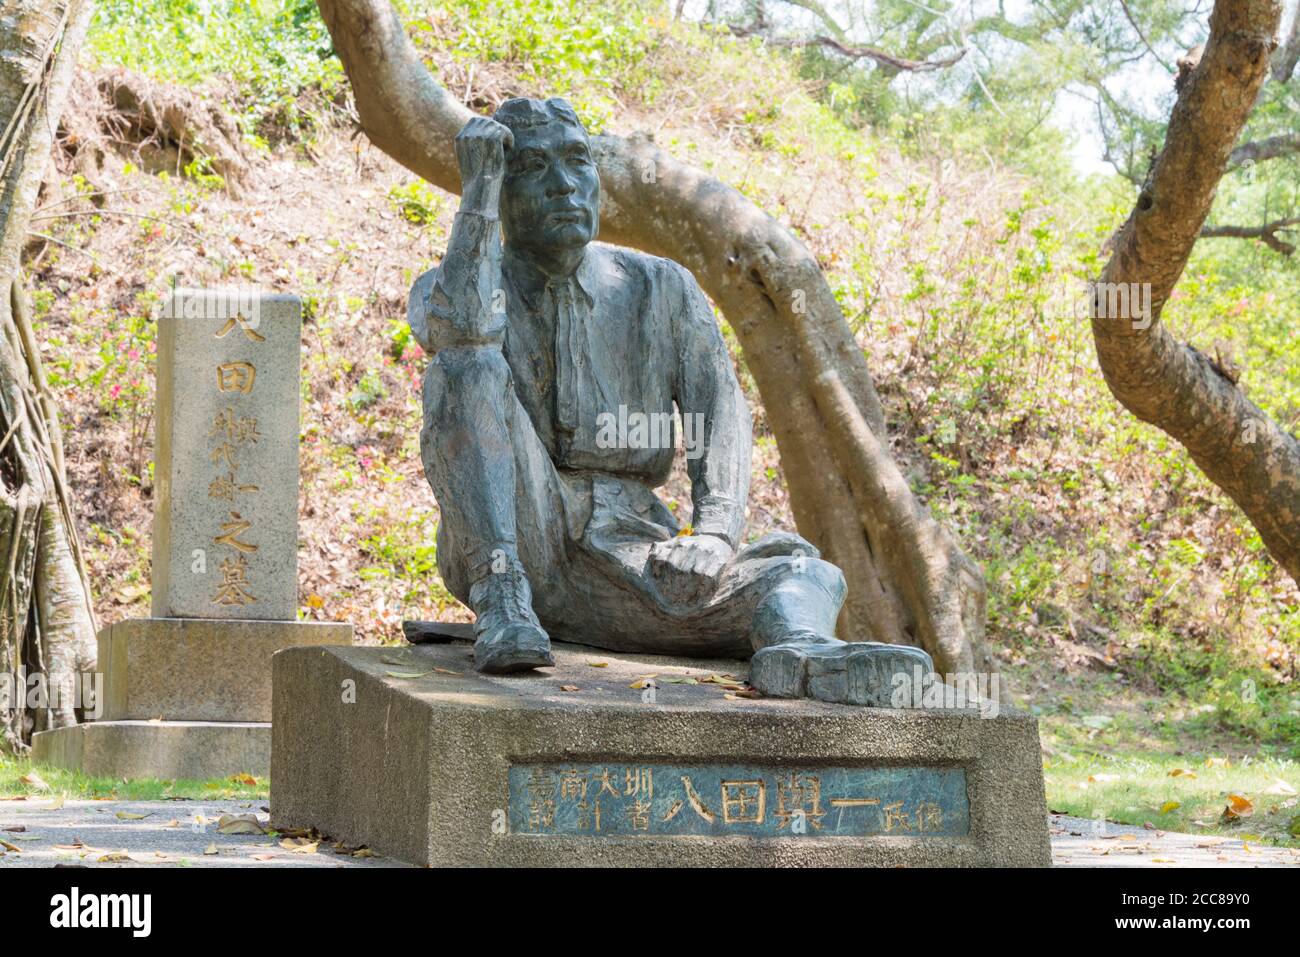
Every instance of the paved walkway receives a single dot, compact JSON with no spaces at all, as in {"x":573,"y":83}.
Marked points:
{"x":199,"y":834}
{"x":167,"y":833}
{"x":1080,"y":842}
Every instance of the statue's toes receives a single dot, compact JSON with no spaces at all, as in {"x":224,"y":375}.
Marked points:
{"x":780,"y":671}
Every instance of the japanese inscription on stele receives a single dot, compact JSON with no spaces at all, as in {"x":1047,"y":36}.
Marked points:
{"x":654,"y":799}
{"x":225,"y":541}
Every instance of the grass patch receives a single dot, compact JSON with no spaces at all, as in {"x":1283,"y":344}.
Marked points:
{"x":19,"y":778}
{"x":1186,"y":792}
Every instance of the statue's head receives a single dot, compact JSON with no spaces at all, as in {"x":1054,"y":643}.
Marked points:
{"x":550,"y":199}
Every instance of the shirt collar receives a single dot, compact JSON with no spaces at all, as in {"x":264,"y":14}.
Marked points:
{"x":585,"y":276}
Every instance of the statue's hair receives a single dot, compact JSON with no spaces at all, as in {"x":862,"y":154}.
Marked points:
{"x":521,"y":113}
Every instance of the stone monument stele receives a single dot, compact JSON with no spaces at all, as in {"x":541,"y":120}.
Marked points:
{"x":225,"y":552}
{"x":557,"y":365}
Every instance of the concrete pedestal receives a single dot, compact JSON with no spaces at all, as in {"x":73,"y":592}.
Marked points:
{"x":183,"y":698}
{"x":418,"y":756}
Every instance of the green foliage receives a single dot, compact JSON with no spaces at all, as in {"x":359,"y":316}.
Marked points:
{"x":567,"y":48}
{"x":271,"y":52}
{"x":1183,"y":792}
{"x":417,"y":202}
{"x":369,"y":390}
{"x":78,"y":786}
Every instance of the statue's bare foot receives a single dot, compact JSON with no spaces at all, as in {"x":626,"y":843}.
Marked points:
{"x":814,"y":666}
{"x":509,"y":636}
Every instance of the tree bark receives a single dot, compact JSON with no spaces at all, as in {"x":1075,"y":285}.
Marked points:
{"x":45,"y":607}
{"x":1164,"y":382}
{"x":909,"y":583}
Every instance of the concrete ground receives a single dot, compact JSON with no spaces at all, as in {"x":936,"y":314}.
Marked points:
{"x":1082,"y":842}
{"x":156,"y":833}
{"x":189,"y":834}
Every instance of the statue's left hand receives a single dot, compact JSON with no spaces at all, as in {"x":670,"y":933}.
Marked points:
{"x":688,"y":567}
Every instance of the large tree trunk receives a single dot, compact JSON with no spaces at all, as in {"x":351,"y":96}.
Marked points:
{"x":1160,"y":380}
{"x":909,"y":583}
{"x":46,"y":619}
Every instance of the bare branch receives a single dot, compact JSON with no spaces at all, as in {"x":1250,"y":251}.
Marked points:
{"x":1257,"y":151}
{"x":1267,"y":233}
{"x":760,"y":26}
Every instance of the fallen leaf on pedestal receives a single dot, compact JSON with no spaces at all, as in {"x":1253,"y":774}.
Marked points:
{"x":210,"y":850}
{"x":569,"y":688}
{"x":299,"y":846}
{"x":11,"y":847}
{"x":130,"y":816}
{"x":57,"y":803}
{"x":728,"y":682}
{"x":598,"y":664}
{"x":114,"y":857}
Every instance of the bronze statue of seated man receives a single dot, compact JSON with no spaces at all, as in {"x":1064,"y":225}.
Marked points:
{"x":548,"y":422}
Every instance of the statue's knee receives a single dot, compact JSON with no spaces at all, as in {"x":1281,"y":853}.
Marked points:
{"x":818,"y":572}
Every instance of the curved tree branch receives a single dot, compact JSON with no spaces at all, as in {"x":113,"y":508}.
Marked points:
{"x":1161,"y":381}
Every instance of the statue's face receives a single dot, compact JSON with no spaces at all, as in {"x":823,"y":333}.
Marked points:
{"x":550,"y":198}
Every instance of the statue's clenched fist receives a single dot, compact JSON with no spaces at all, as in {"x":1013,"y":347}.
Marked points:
{"x":481,"y":151}
{"x":687,"y":568}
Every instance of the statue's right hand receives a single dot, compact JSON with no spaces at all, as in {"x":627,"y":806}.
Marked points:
{"x":481,"y":151}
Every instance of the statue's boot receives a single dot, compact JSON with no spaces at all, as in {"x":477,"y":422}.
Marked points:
{"x":799,"y":657}
{"x":508,"y":635}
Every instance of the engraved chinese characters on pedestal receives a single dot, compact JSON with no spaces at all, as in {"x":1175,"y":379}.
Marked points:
{"x":226,"y":460}
{"x":653,"y":799}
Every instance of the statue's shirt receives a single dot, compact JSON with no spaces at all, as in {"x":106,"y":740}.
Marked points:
{"x":600,"y":357}
{"x":598,"y":360}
